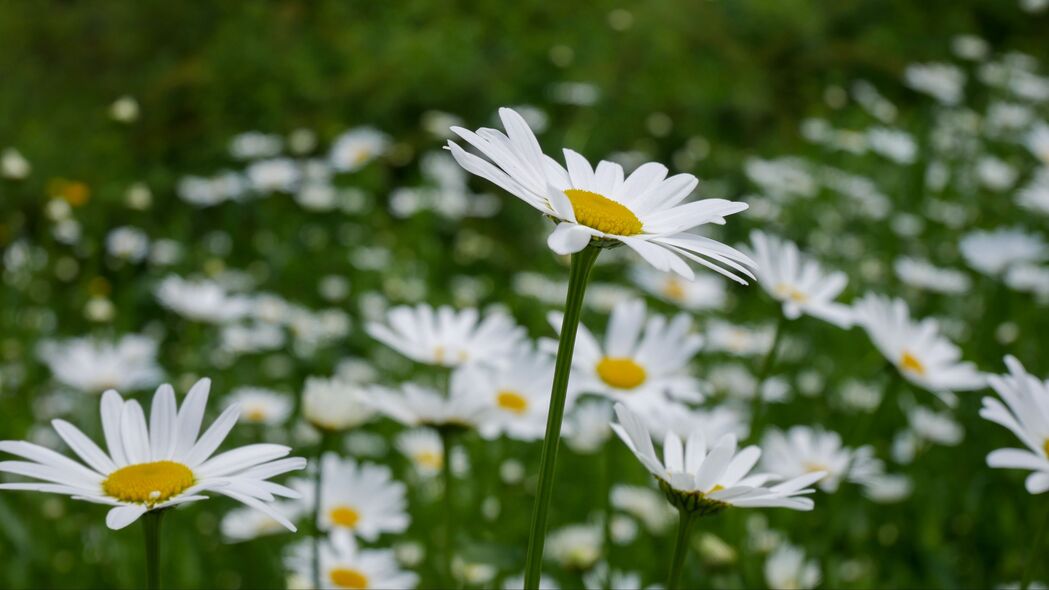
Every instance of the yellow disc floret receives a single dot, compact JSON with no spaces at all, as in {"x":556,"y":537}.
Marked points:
{"x":603,"y":214}
{"x":622,"y":373}
{"x":148,"y":483}
{"x":909,"y":362}
{"x":511,"y":401}
{"x":345,"y":516}
{"x":344,"y":577}
{"x":429,"y":459}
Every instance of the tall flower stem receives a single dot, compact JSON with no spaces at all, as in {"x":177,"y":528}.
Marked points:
{"x":1032,"y":555}
{"x":151,"y":526}
{"x":582,"y":264}
{"x":684,"y":527}
{"x":315,"y":531}
{"x":449,"y":503}
{"x":757,"y":403}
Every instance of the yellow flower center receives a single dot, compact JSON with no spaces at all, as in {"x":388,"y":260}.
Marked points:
{"x":344,"y":577}
{"x":674,"y":289}
{"x":148,"y":483}
{"x":429,"y":459}
{"x":1045,"y":447}
{"x":511,"y":401}
{"x":788,"y":292}
{"x":344,"y":516}
{"x":622,"y":373}
{"x":716,"y":488}
{"x":255,"y":414}
{"x":603,"y":214}
{"x":909,"y":362}
{"x":814,"y":467}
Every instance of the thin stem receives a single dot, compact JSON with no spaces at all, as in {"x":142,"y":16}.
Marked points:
{"x":449,"y":504}
{"x":684,"y":527}
{"x":151,"y":526}
{"x":1032,"y":555}
{"x":315,"y":532}
{"x":757,"y":404}
{"x":582,"y":264}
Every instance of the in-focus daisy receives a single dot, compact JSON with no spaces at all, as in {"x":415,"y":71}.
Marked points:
{"x":515,"y":399}
{"x":93,"y":366}
{"x":787,"y":569}
{"x":335,"y":404}
{"x":259,"y":405}
{"x":995,"y":252}
{"x":803,"y":450}
{"x":644,"y":358}
{"x":362,"y":498}
{"x":417,"y":405}
{"x":797,"y":281}
{"x":446,"y":337}
{"x":201,"y":300}
{"x":643,"y":210}
{"x":343,"y":565}
{"x":157,"y":466}
{"x":424,"y":448}
{"x":701,"y":293}
{"x":917,"y":349}
{"x":1025,"y":412}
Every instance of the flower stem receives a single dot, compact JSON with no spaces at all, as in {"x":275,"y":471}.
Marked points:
{"x":315,"y":531}
{"x":684,"y":527}
{"x":757,"y":404}
{"x":449,"y":504}
{"x":1032,"y":556}
{"x":151,"y":526}
{"x":582,"y":264}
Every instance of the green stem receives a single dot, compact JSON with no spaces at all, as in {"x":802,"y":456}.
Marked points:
{"x":684,"y":527}
{"x":757,"y":404}
{"x":151,"y":526}
{"x":315,"y":531}
{"x":1032,"y":556}
{"x":582,"y":264}
{"x":449,"y":504}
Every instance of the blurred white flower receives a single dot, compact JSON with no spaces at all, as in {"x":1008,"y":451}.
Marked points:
{"x":894,"y":144}
{"x":995,"y":174}
{"x":124,"y":109}
{"x":127,"y":243}
{"x":587,"y":428}
{"x":355,"y":148}
{"x":335,"y":404}
{"x":645,"y":504}
{"x":93,"y":366}
{"x":13,"y":165}
{"x":344,"y":565}
{"x":802,"y":450}
{"x":201,"y":300}
{"x":246,"y":524}
{"x":1037,"y":141}
{"x":260,"y":405}
{"x":415,"y":405}
{"x":255,"y":145}
{"x":738,"y":340}
{"x":971,"y":47}
{"x":704,"y":292}
{"x":994,"y":252}
{"x":424,"y":448}
{"x":937,"y":427}
{"x":942,"y":81}
{"x":575,"y":547}
{"x":922,"y":274}
{"x":1034,"y":196}
{"x":361,"y":498}
{"x":274,"y":175}
{"x":1025,"y":412}
{"x":208,"y":192}
{"x":787,"y":569}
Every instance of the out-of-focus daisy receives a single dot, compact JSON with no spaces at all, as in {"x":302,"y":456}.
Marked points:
{"x":587,"y":429}
{"x":739,"y":340}
{"x":515,"y":398}
{"x":446,"y":337}
{"x":922,"y":274}
{"x":944,"y":82}
{"x":415,"y":405}
{"x":124,"y":109}
{"x":917,"y":349}
{"x":362,"y":498}
{"x":798,"y":282}
{"x":13,"y":164}
{"x":682,"y":420}
{"x":642,"y":211}
{"x":575,"y":547}
{"x":803,"y":450}
{"x":707,"y":480}
{"x":335,"y":404}
{"x":1025,"y":412}
{"x":424,"y":448}
{"x":644,"y":358}
{"x":894,"y":144}
{"x":127,"y":243}
{"x":261,"y":406}
{"x":201,"y":300}
{"x":701,"y":293}
{"x":1034,"y":196}
{"x":518,"y":583}
{"x":994,"y":252}
{"x":274,"y":175}
{"x":925,"y":426}
{"x":93,"y":366}
{"x":787,"y":569}
{"x":245,"y":524}
{"x":645,"y":504}
{"x":599,"y":578}
{"x":343,"y":565}
{"x":1037,"y":141}
{"x":157,"y":466}
{"x":356,"y":147}
{"x":253,"y":145}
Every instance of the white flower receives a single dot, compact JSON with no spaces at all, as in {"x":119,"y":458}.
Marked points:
{"x":681,"y":420}
{"x":894,"y":144}
{"x":600,"y":578}
{"x":128,"y":243}
{"x":995,"y":174}
{"x":274,"y":175}
{"x":13,"y":164}
{"x":416,"y":405}
{"x":944,"y":82}
{"x":797,"y":281}
{"x":642,"y":211}
{"x":587,"y":428}
{"x":425,"y":449}
{"x":157,"y":466}
{"x":937,"y":427}
{"x":1026,"y":414}
{"x":93,"y":366}
{"x":1035,"y":195}
{"x":714,"y":478}
{"x":447,"y":337}
{"x":124,"y":109}
{"x":922,"y":274}
{"x":356,"y":147}
{"x":207,"y":192}
{"x":787,"y":569}
{"x":515,"y":398}
{"x":201,"y":300}
{"x":362,"y":498}
{"x":701,"y":293}
{"x":261,"y":406}
{"x":245,"y":524}
{"x":575,"y":547}
{"x":518,"y":582}
{"x":739,"y":340}
{"x":343,"y":565}
{"x":917,"y":349}
{"x":994,"y":252}
{"x":803,"y":450}
{"x":254,"y":145}
{"x":643,"y":361}
{"x":335,"y":404}
{"x":1037,"y":141}
{"x":644,"y":504}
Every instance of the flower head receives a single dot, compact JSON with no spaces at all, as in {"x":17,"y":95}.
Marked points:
{"x":515,"y":397}
{"x":362,"y":498}
{"x":1025,"y":412}
{"x":344,"y":565}
{"x":94,"y":366}
{"x":335,"y":404}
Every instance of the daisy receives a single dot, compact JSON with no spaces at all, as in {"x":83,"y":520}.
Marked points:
{"x":343,"y":565}
{"x":1034,"y":196}
{"x":93,"y":366}
{"x":355,"y":148}
{"x":701,"y":293}
{"x":922,"y":274}
{"x":644,"y":358}
{"x":515,"y":399}
{"x":157,"y":466}
{"x":261,"y":406}
{"x":576,"y":547}
{"x":1025,"y":412}
{"x":739,"y":340}
{"x":274,"y":175}
{"x":944,"y":82}
{"x":587,"y":429}
{"x":446,"y":337}
{"x":245,"y":524}
{"x":919,"y":352}
{"x":643,"y":210}
{"x":416,"y":405}
{"x":803,"y":450}
{"x":335,"y":404}
{"x":425,"y":449}
{"x":362,"y":498}
{"x":798,"y":282}
{"x":787,"y":569}
{"x":201,"y":300}
{"x":645,"y":504}
{"x":683,"y":420}
{"x":995,"y":252}
{"x":1037,"y":141}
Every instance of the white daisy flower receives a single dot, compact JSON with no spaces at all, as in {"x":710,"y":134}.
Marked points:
{"x":645,"y":504}
{"x":575,"y":547}
{"x":362,"y":498}
{"x":355,"y":148}
{"x":600,"y":578}
{"x":245,"y":524}
{"x":944,"y":82}
{"x":704,"y":292}
{"x":917,"y":349}
{"x":994,"y":252}
{"x":922,"y":274}
{"x":201,"y":300}
{"x":93,"y":366}
{"x":518,"y":583}
{"x":515,"y":399}
{"x":274,"y":175}
{"x":416,"y":405}
{"x":343,"y":565}
{"x":682,"y":420}
{"x":787,"y":569}
{"x":1037,"y":141}
{"x":157,"y":466}
{"x":587,"y":428}
{"x":1034,"y":196}
{"x":13,"y":164}
{"x":252,"y":145}
{"x":642,"y":211}
{"x":259,"y":405}
{"x":704,"y":480}
{"x":424,"y":448}
{"x":739,"y":340}
{"x":797,"y":281}
{"x":644,"y":358}
{"x":335,"y":404}
{"x":1025,"y":412}
{"x":446,"y":337}
{"x":803,"y":450}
